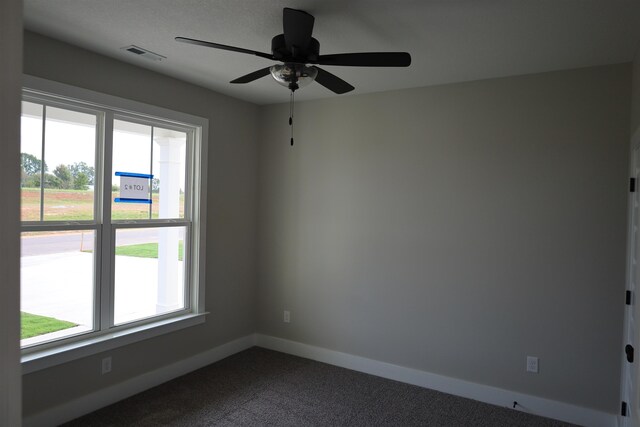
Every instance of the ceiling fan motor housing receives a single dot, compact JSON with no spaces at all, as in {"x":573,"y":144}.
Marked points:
{"x":298,"y":54}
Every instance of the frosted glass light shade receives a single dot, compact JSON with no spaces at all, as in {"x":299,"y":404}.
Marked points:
{"x":296,"y":74}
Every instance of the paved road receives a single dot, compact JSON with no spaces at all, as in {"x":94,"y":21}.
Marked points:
{"x":78,"y":241}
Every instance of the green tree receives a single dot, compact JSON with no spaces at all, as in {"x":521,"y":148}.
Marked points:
{"x":155,"y":185}
{"x":81,"y":181}
{"x":31,"y":165}
{"x":51,"y":181}
{"x":81,"y":167}
{"x":31,"y":181}
{"x":64,"y":175}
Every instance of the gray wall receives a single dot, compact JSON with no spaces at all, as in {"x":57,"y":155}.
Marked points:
{"x":455,"y":229}
{"x":231,"y":222}
{"x":635,"y":94}
{"x":10,"y":83}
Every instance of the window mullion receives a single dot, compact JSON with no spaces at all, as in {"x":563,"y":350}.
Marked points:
{"x":151,"y":172}
{"x":40,"y":227}
{"x":107,"y":243}
{"x":42,"y":164}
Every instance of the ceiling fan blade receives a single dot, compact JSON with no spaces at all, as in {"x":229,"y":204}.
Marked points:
{"x":252,"y":76}
{"x":332,"y":82}
{"x":297,"y":26}
{"x":370,"y":59}
{"x":223,"y":47}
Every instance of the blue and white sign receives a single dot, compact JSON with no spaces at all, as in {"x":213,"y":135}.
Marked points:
{"x":134,"y":187}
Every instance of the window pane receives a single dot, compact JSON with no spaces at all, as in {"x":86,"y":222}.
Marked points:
{"x":169,"y":152}
{"x":131,"y":153}
{"x":31,"y":160}
{"x":56,"y":284}
{"x":149,"y":272}
{"x":69,"y":153}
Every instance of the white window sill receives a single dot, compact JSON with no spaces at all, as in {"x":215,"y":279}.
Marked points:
{"x":38,"y":360}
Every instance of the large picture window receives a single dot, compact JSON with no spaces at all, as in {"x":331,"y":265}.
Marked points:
{"x":94,"y":261}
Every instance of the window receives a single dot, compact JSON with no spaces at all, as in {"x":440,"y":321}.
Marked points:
{"x":95,"y":262}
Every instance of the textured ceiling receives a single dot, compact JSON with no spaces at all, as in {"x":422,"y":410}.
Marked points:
{"x":449,"y":40}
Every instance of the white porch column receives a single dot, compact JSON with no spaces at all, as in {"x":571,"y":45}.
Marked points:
{"x":169,"y":289}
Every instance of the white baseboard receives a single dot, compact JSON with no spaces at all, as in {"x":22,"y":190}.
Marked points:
{"x":484,"y":393}
{"x":101,"y":398}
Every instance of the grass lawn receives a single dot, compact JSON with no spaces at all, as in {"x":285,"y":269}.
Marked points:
{"x":146,"y":250}
{"x":77,"y":205}
{"x":33,"y":325}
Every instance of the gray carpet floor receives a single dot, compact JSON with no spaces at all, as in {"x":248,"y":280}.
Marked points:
{"x":260,"y":387}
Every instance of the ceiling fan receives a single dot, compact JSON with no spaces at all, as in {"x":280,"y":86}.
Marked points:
{"x":300,"y":55}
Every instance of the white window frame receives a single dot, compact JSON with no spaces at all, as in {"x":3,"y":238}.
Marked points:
{"x":106,"y":337}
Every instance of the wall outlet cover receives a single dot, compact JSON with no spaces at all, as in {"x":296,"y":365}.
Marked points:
{"x":106,"y":365}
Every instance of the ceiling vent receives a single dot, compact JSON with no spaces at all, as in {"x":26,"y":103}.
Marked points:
{"x":144,"y":53}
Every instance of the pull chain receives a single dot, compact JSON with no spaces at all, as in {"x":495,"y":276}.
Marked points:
{"x":291,"y":100}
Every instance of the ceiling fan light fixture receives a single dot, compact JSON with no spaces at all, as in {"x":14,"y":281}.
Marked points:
{"x":293,"y":76}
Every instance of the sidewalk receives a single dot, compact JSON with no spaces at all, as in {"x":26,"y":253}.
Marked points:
{"x":62,"y":286}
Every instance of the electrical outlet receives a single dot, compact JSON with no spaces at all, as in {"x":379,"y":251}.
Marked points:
{"x":532,"y":364}
{"x":106,"y":365}
{"x":287,"y":316}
